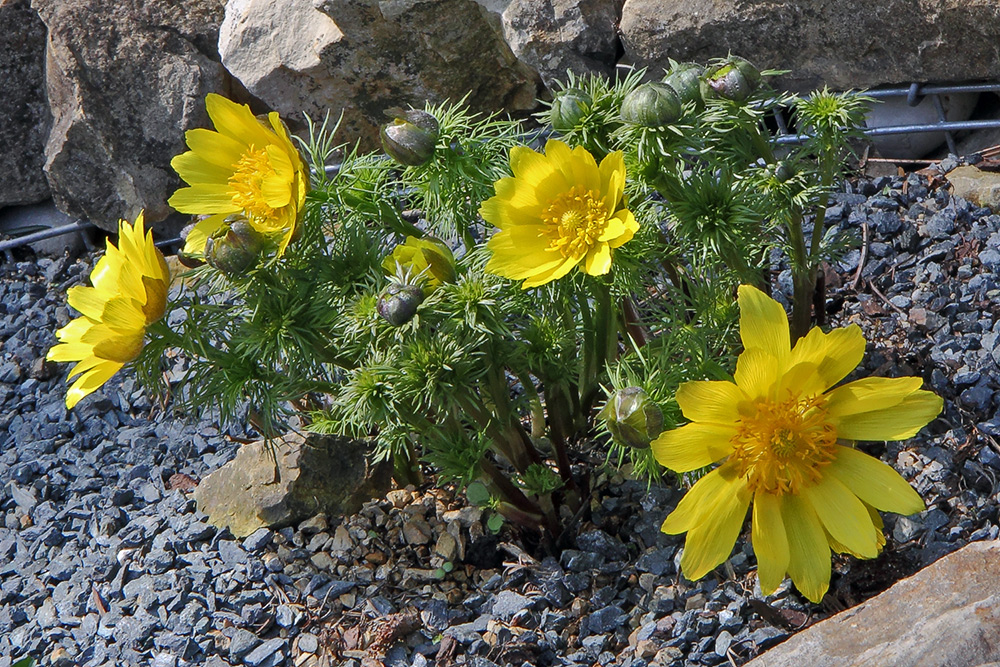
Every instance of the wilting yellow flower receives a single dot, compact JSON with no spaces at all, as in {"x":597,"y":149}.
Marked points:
{"x":558,"y":210}
{"x":244,"y":167}
{"x":129,"y":293}
{"x":425,"y":257}
{"x":786,"y":438}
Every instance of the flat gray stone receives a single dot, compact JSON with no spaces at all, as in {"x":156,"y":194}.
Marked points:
{"x":946,"y":615}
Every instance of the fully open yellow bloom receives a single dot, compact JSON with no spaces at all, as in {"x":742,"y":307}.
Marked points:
{"x":558,"y":210}
{"x":785,"y":437}
{"x":129,"y":293}
{"x":247,"y":167}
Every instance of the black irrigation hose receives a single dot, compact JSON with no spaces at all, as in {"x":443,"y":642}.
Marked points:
{"x":81,"y":226}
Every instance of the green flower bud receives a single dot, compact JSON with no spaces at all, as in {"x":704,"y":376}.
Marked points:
{"x":652,"y":104}
{"x":685,"y":79}
{"x":426,"y":257}
{"x":735,"y":79}
{"x":235,"y":247}
{"x":783,"y":171}
{"x":632,"y":418}
{"x":411,"y":137}
{"x":398,"y":303}
{"x":568,"y":107}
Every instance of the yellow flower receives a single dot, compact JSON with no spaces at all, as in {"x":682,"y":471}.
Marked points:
{"x":129,"y":293}
{"x":426,"y":257}
{"x":244,"y":167}
{"x":558,"y":210}
{"x":786,"y":438}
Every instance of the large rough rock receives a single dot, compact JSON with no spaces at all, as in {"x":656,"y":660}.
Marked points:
{"x":290,"y":480}
{"x":946,"y":615}
{"x":23,"y":108}
{"x":554,"y":36}
{"x":125,"y":79}
{"x":361,"y":57}
{"x":845,"y":44}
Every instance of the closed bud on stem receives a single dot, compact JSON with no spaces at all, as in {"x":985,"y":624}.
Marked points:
{"x":632,"y":418}
{"x":735,"y":79}
{"x":783,"y":171}
{"x":652,"y":104}
{"x":235,"y":247}
{"x":410,"y":138}
{"x":398,"y":303}
{"x":568,"y":108}
{"x":685,"y":79}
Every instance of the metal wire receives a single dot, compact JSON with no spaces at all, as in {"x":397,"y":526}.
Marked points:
{"x":914,"y":94}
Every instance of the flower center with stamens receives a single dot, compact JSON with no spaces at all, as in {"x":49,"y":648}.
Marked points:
{"x":246,"y":184}
{"x":784,"y":446}
{"x":574,"y":221}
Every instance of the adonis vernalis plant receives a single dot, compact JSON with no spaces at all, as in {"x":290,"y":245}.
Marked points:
{"x":784,"y":432}
{"x":469,"y":299}
{"x":129,"y":293}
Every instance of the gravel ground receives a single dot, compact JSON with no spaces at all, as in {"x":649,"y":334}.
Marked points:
{"x":105,"y":561}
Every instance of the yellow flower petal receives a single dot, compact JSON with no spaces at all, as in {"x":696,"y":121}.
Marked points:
{"x":104,"y":277}
{"x":194,"y":244}
{"x":693,"y":446}
{"x":710,"y":401}
{"x":598,"y":260}
{"x":870,"y":394}
{"x":91,"y":381}
{"x":72,"y":332}
{"x":535,"y":169}
{"x":577,"y":166}
{"x":690,"y":510}
{"x":808,"y":550}
{"x":763,"y":323}
{"x":70,"y":351}
{"x":276,"y":191}
{"x":156,"y":296}
{"x":236,"y":121}
{"x":194,"y":168}
{"x":898,"y":422}
{"x":631,"y":227}
{"x":549,"y":275}
{"x":843,"y":516}
{"x":835,"y":354}
{"x":201,"y":199}
{"x":612,"y":171}
{"x":213,"y":148}
{"x":756,"y":373}
{"x":518,"y":195}
{"x":123,"y":315}
{"x":710,"y":541}
{"x":614,"y":229}
{"x":874,"y":482}
{"x":770,"y":544}
{"x":802,"y":379}
{"x":87,"y":300}
{"x":507,"y":262}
